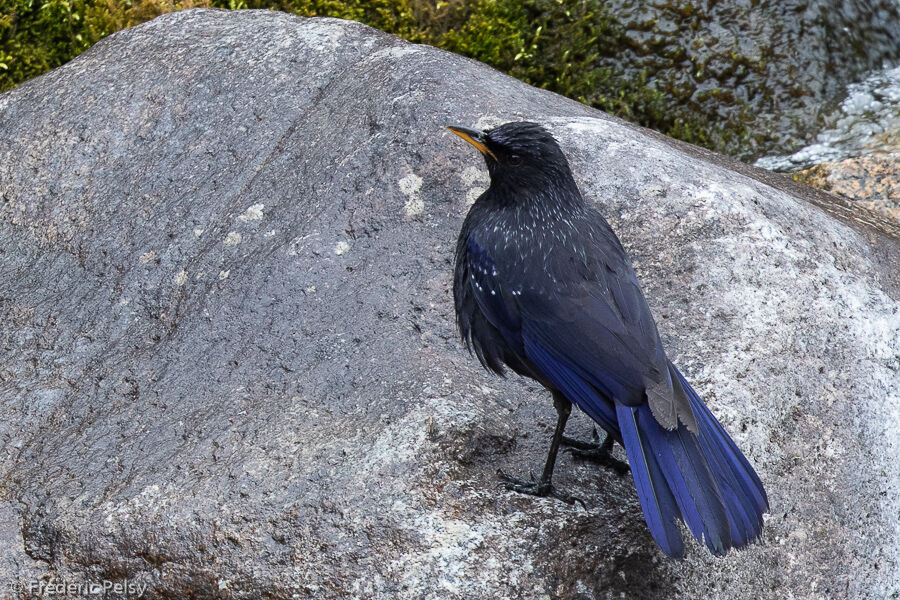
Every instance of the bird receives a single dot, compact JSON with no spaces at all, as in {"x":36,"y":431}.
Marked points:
{"x":543,"y":286}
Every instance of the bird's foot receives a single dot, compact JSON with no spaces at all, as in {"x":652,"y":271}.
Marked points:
{"x":596,"y":451}
{"x":536,"y":488}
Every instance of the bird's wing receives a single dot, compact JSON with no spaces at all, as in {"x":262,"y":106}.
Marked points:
{"x":581,"y":313}
{"x":495,"y":300}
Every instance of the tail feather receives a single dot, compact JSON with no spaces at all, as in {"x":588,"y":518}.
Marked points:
{"x":659,"y":505}
{"x":710,"y":484}
{"x":745,"y":521}
{"x":687,"y":467}
{"x":745,"y":496}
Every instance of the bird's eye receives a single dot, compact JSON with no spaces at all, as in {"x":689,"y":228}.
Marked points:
{"x":515,"y":159}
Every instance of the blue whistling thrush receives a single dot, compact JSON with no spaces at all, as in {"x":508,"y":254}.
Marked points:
{"x":543,"y":286}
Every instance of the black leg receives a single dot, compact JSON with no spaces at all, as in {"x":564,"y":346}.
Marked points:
{"x":563,"y":410}
{"x":596,"y":452}
{"x":544,"y":487}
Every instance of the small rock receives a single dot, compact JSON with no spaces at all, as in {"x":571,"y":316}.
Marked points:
{"x":873,"y":181}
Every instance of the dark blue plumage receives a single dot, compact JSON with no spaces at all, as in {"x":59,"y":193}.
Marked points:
{"x":543,"y":286}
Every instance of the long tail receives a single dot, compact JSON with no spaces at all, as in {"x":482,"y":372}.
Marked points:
{"x":701,"y":478}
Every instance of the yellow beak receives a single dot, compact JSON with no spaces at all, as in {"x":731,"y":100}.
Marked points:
{"x":474,"y":137}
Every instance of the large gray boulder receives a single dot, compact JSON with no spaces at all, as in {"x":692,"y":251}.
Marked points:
{"x":228,"y":362}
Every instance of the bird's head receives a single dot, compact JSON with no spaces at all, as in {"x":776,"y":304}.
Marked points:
{"x":519,"y":152}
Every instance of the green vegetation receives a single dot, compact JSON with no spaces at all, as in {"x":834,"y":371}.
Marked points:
{"x":567,"y":46}
{"x":38,"y":35}
{"x":558,"y":46}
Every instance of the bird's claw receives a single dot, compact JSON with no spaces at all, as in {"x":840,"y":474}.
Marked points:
{"x":596,"y":451}
{"x":580,"y":445}
{"x":602,"y":458}
{"x":536,"y":488}
{"x":515,"y":481}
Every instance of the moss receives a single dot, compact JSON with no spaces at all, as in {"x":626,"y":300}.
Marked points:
{"x":571,"y":47}
{"x":393,"y":16}
{"x":39,"y":35}
{"x":566,"y":47}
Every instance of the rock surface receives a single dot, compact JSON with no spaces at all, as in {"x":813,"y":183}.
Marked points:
{"x":759,"y":72}
{"x":228,"y":366}
{"x":873,"y":181}
{"x":865,"y":123}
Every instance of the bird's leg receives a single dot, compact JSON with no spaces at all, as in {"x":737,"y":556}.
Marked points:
{"x":597,"y":452}
{"x":544,"y":486}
